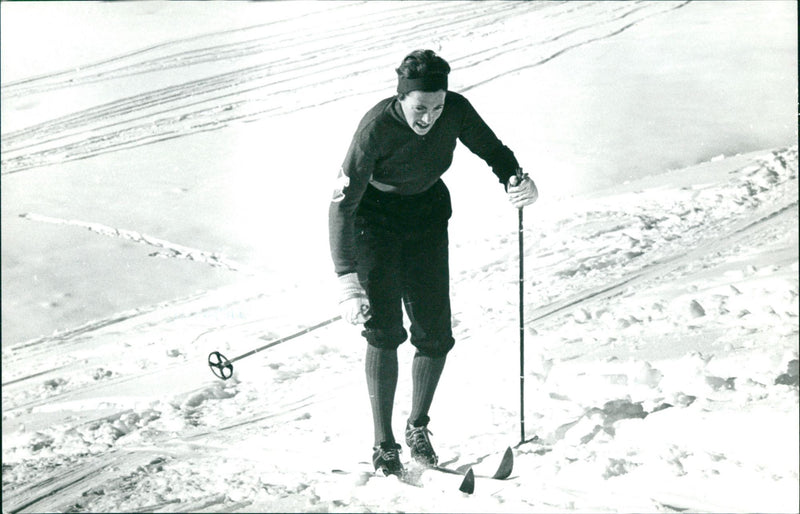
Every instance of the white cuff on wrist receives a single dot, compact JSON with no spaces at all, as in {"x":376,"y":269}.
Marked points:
{"x":350,"y":287}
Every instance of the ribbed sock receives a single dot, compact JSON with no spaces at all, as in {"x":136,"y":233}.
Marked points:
{"x":381,"y":369}
{"x":425,"y":373}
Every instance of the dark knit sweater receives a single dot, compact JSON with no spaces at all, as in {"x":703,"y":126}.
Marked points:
{"x":387,"y":154}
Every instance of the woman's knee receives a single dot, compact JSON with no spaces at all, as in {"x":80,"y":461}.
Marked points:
{"x":434,"y":347}
{"x":385,"y":338}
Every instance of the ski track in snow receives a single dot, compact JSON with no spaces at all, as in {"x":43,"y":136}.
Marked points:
{"x":169,"y":250}
{"x":259,"y":81}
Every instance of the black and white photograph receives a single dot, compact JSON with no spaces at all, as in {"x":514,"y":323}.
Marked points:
{"x":464,"y":256}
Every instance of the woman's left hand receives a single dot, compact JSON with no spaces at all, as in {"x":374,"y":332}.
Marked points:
{"x":522,"y":193}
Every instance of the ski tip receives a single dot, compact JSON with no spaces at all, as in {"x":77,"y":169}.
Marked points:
{"x":468,"y":484}
{"x":506,"y":465}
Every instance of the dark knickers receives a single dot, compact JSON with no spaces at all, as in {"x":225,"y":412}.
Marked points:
{"x":402,"y":255}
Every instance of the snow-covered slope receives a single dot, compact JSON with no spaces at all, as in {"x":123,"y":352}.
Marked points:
{"x":661,"y":312}
{"x":661,"y":373}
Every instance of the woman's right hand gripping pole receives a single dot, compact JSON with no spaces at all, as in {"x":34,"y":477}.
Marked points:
{"x":353,"y":301}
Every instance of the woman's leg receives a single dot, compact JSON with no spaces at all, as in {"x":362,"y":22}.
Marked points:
{"x":427,"y":302}
{"x":381,"y":371}
{"x":379,"y":270}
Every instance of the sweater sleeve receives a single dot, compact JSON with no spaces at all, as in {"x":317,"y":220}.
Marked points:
{"x":351,"y":183}
{"x":481,"y":140}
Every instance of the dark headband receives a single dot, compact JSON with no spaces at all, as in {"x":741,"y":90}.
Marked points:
{"x":433,"y":82}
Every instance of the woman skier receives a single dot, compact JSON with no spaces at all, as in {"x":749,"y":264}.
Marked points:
{"x":389,"y":243}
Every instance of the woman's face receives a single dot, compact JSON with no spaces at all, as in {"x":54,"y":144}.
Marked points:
{"x":422,"y":109}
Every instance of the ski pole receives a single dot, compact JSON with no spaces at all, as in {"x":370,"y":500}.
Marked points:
{"x":222,"y":367}
{"x":520,"y":178}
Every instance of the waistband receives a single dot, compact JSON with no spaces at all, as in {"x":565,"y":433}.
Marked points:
{"x":430,"y":205}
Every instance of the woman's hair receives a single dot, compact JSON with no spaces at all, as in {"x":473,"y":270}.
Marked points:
{"x":420,"y":63}
{"x":423,"y":70}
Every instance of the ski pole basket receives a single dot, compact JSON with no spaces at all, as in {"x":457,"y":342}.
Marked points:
{"x":220,"y":365}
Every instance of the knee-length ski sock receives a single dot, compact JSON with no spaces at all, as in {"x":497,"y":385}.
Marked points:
{"x":381,"y":368}
{"x":425,"y":373}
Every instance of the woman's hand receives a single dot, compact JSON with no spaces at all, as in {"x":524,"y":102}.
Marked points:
{"x":353,"y":301}
{"x":521,"y":193}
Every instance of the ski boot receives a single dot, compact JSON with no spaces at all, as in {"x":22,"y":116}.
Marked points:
{"x":386,"y":459}
{"x":420,"y":444}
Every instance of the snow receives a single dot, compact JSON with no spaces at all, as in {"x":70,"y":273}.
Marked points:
{"x":160,"y":202}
